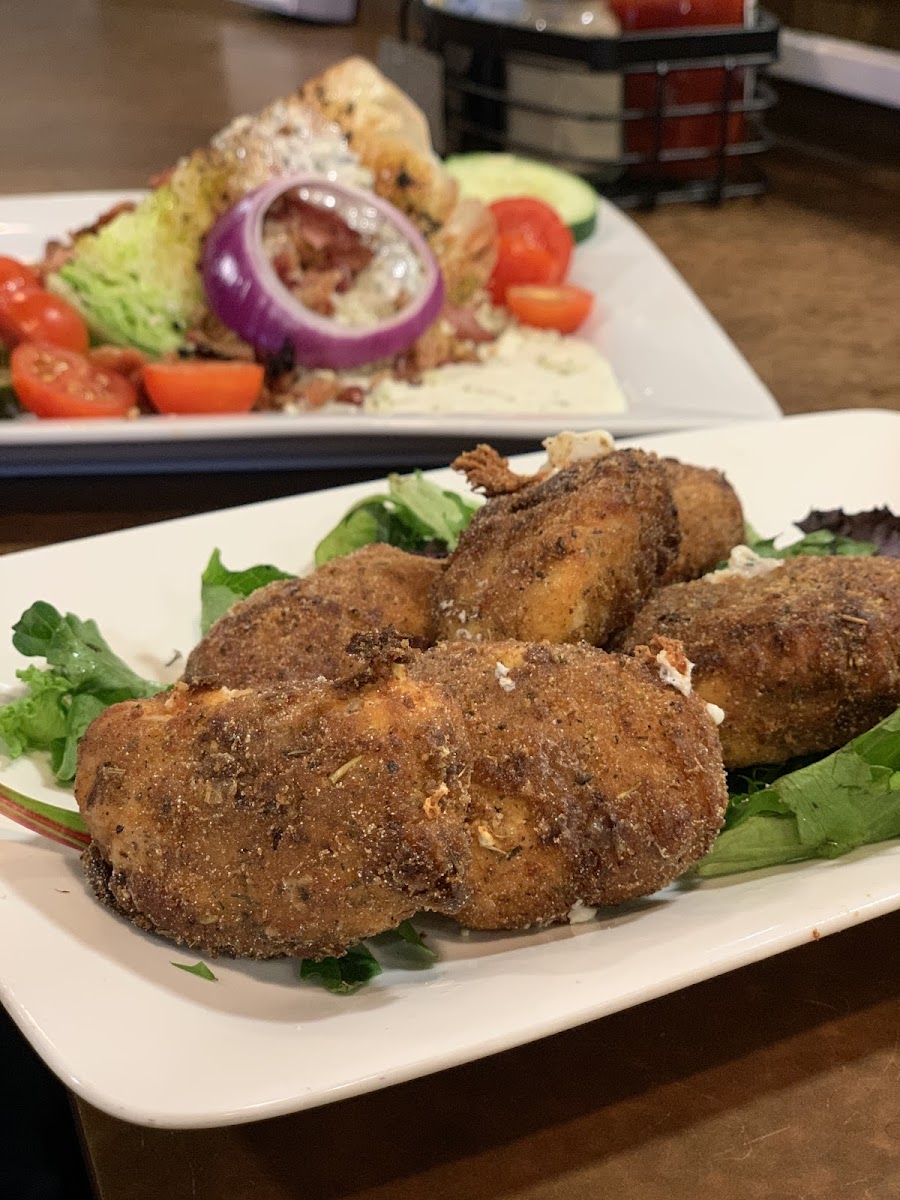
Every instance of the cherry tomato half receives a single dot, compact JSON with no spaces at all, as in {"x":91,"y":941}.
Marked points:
{"x":519,"y":261}
{"x":533,"y":221}
{"x":32,"y":315}
{"x":562,"y":307}
{"x":203,"y":387}
{"x":52,"y":382}
{"x":16,"y":276}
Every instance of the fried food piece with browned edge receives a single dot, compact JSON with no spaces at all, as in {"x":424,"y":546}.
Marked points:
{"x":710,"y":516}
{"x":297,"y":629}
{"x":569,"y":558}
{"x":802,"y":658}
{"x":294,"y":821}
{"x":593,"y":780}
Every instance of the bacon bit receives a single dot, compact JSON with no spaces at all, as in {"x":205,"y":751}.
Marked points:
{"x":314,"y":252}
{"x":316,"y":289}
{"x":319,"y":390}
{"x":161,"y":177}
{"x":56,"y":255}
{"x":123,"y":206}
{"x":119,"y":360}
{"x":351,"y":395}
{"x":211,"y":339}
{"x":465,"y":324}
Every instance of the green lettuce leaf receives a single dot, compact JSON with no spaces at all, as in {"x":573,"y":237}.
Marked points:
{"x":415,"y":514}
{"x":80,"y":652}
{"x":200,"y":969}
{"x":848,"y":799}
{"x":878,"y":526}
{"x":402,"y":948}
{"x":82,"y":678}
{"x":220,"y":587}
{"x":136,"y":279}
{"x":343,"y":975}
{"x":821,"y":543}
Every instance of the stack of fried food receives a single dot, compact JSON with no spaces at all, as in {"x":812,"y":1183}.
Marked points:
{"x":509,"y":736}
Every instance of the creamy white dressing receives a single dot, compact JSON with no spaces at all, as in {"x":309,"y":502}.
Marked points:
{"x":524,"y":371}
{"x":581,"y":912}
{"x":393,"y":278}
{"x":566,"y":448}
{"x":681,"y":681}
{"x":501,"y":674}
{"x":670,"y":674}
{"x":744,"y":563}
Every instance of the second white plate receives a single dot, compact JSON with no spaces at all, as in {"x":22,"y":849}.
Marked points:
{"x":120,"y":1025}
{"x":675,"y":364}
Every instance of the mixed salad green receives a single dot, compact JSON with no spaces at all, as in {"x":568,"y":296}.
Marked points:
{"x":818,"y":808}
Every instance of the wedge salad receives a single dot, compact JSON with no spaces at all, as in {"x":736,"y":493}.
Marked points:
{"x":315,"y":254}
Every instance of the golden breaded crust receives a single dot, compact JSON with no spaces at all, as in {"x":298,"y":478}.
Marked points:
{"x":286,"y":822}
{"x":297,"y":629}
{"x":571,"y":558}
{"x":592,"y":780}
{"x":801,"y":659}
{"x":710,"y":516}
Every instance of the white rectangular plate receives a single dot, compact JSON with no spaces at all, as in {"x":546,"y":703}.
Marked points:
{"x":676,"y":366}
{"x":126,"y":1030}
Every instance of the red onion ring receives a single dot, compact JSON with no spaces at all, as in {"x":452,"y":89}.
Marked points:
{"x":246,"y":294}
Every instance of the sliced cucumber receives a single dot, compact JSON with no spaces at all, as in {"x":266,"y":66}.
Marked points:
{"x":488,"y":177}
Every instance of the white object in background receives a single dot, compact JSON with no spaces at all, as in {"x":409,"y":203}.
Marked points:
{"x":327,"y":12}
{"x":836,"y":65}
{"x":574,"y":88}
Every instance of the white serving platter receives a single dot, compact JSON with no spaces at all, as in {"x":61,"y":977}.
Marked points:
{"x":674,"y":363}
{"x":105,"y":1008}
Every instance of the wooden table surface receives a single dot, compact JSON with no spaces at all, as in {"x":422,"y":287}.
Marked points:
{"x":778,"y":1082}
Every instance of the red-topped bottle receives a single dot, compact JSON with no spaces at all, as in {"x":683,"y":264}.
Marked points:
{"x":703,"y":86}
{"x":672,"y":14}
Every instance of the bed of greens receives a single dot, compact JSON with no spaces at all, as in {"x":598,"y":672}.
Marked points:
{"x":817,"y":808}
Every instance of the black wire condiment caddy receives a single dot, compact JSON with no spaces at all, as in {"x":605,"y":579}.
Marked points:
{"x":689,"y":125}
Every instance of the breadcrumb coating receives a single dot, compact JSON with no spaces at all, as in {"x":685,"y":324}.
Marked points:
{"x":569,"y":558}
{"x":292,"y":821}
{"x":801,"y":659}
{"x":593,"y":781}
{"x":299,"y":628}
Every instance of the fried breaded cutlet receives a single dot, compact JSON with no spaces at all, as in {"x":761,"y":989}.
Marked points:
{"x":297,"y":629}
{"x":293,"y":821}
{"x":568,"y":558}
{"x":709,"y":515}
{"x":802,"y":658}
{"x":593,"y":780}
